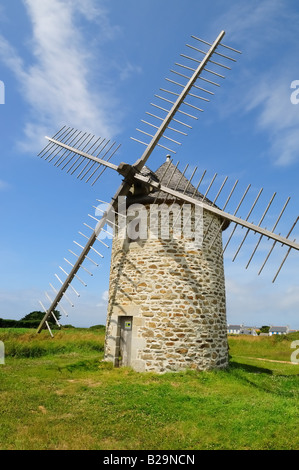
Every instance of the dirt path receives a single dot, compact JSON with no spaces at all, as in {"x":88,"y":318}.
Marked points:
{"x":268,"y":360}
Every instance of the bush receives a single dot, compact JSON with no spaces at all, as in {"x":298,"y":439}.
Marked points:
{"x":32,"y":320}
{"x":97,"y":327}
{"x":22,"y":324}
{"x":8,"y":323}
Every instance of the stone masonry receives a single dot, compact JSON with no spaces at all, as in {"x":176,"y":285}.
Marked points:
{"x":175,"y":294}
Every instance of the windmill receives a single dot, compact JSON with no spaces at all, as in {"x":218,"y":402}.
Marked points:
{"x":167,"y":308}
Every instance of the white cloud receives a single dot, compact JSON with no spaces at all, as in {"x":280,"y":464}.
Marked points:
{"x":94,"y":10}
{"x":105,"y":295}
{"x":254,"y":23}
{"x":104,"y":299}
{"x":58,"y":82}
{"x":128,"y":70}
{"x":277,"y":116}
{"x":264,"y":84}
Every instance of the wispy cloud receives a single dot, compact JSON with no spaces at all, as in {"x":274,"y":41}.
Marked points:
{"x":128,"y":70}
{"x":265,"y":80}
{"x":278,"y":117}
{"x":255,"y":23}
{"x":104,"y":299}
{"x":58,"y":82}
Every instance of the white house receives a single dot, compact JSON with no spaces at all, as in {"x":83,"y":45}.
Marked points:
{"x":234,"y":329}
{"x":278,"y":330}
{"x":241,"y":330}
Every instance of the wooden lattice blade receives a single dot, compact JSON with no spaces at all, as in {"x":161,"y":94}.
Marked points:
{"x":84,"y":154}
{"x":80,"y":154}
{"x":232,"y":218}
{"x":122,"y":191}
{"x":175,"y":99}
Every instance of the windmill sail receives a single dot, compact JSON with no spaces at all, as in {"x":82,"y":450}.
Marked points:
{"x":80,"y":153}
{"x":87,"y":156}
{"x":173,"y":101}
{"x":233,"y":218}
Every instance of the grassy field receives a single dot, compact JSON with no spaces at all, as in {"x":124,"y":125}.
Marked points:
{"x":58,"y":394}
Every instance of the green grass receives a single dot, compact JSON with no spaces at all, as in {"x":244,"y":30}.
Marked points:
{"x":58,"y":394}
{"x":276,"y":347}
{"x":20,"y":342}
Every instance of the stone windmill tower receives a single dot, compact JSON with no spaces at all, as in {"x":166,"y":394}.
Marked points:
{"x":167,"y":308}
{"x":167,"y":293}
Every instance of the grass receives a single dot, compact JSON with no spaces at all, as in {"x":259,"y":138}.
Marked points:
{"x":26,"y":343}
{"x":276,"y":347}
{"x":58,"y":394}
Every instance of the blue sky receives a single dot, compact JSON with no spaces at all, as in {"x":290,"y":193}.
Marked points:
{"x":96,"y":65}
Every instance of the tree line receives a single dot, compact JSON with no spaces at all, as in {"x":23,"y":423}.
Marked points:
{"x":32,"y":320}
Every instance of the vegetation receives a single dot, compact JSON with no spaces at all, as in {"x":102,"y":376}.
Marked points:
{"x":276,"y":347}
{"x":58,"y":394}
{"x":32,"y":320}
{"x":264,"y":329}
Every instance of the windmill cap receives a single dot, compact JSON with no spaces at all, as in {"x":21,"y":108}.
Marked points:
{"x":170,"y":176}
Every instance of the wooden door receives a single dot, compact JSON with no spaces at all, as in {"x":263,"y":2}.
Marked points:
{"x":125,"y":340}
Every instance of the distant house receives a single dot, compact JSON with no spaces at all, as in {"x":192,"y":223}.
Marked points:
{"x":248,"y":330}
{"x":234,"y":329}
{"x":278,"y":330}
{"x":241,"y":330}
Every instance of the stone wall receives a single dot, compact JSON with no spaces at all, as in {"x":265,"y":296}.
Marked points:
{"x":175,"y":293}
